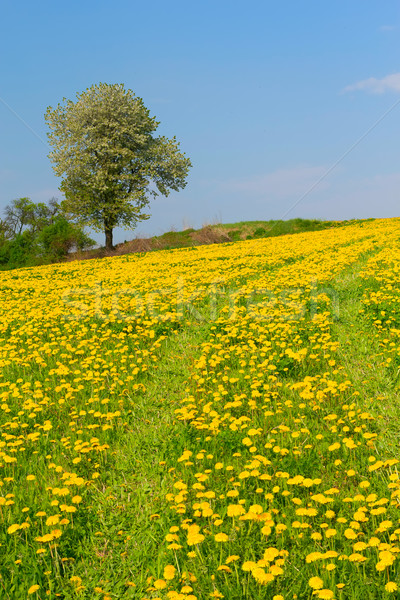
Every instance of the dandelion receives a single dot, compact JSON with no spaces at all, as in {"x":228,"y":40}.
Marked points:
{"x":350,"y":534}
{"x":33,"y":589}
{"x":334,"y":447}
{"x":315,"y":583}
{"x":160,"y":584}
{"x":325,"y":594}
{"x":270,"y":554}
{"x":330,"y":533}
{"x":276,"y":570}
{"x":235,"y":510}
{"x":169,"y":572}
{"x":261,"y":576}
{"x":232,"y":558}
{"x":194,"y":535}
{"x":224,"y":568}
{"x":249,"y":565}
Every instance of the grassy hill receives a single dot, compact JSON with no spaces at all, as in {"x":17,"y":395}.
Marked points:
{"x":216,"y":422}
{"x":217,"y":234}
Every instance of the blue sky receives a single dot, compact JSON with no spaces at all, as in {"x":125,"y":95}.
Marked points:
{"x":265,"y":98}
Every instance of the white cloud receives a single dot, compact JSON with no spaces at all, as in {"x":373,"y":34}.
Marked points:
{"x":390,"y":83}
{"x":387,"y":28}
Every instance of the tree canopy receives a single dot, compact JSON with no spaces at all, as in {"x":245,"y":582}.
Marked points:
{"x":36,"y":233}
{"x":22,"y":213}
{"x":111,"y":162}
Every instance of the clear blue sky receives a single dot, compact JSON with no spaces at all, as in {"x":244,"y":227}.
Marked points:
{"x":264,"y":97}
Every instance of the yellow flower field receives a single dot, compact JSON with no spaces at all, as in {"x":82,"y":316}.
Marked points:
{"x":270,"y":370}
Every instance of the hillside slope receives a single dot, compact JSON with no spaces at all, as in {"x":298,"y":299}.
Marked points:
{"x":217,"y":234}
{"x":218,"y":421}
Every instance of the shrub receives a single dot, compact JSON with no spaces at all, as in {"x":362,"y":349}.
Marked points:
{"x":57,"y":240}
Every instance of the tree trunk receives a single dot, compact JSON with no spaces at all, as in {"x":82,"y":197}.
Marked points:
{"x":109,"y":237}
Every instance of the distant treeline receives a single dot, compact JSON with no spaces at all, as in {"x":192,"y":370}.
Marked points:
{"x":34,"y":234}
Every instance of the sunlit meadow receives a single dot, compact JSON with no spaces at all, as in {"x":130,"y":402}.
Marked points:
{"x":211,"y":422}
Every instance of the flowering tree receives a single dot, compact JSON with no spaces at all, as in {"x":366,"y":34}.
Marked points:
{"x":111,"y":162}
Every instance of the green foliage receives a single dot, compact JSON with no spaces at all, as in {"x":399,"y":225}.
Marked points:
{"x":110,"y":161}
{"x":33,"y":234}
{"x":19,"y":214}
{"x":19,"y":252}
{"x":56,"y":240}
{"x":22,"y":214}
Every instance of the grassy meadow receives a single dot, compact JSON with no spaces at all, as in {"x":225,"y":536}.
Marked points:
{"x":217,"y":421}
{"x":216,"y":233}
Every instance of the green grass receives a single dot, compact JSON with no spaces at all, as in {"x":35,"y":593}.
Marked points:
{"x":122,"y":519}
{"x":222,"y":233}
{"x":358,"y":357}
{"x":313,"y":372}
{"x":158,"y":438}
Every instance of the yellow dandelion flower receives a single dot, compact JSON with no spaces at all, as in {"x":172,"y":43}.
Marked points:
{"x":248,"y":565}
{"x":270,"y":554}
{"x":350,"y":534}
{"x":334,"y":447}
{"x":13,"y":528}
{"x":186,"y":589}
{"x":192,"y":540}
{"x":235,"y":510}
{"x":232,"y":558}
{"x":330,"y":533}
{"x":356,"y":557}
{"x":33,"y":589}
{"x":325,"y":594}
{"x":359,"y":546}
{"x":160,"y":584}
{"x":224,"y":568}
{"x":261,"y":576}
{"x":313,"y":556}
{"x":316,"y":583}
{"x":169,"y":572}
{"x":276,"y":570}
{"x":364,"y":484}
{"x":256,"y":509}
